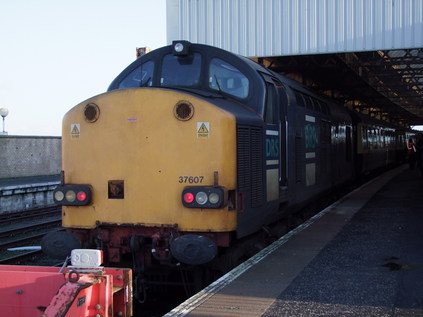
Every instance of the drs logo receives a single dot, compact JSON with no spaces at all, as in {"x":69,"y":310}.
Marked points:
{"x":272,"y":147}
{"x":310,"y":136}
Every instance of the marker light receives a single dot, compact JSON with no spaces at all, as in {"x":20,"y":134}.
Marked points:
{"x":188,"y":198}
{"x":59,"y":196}
{"x":86,"y":258}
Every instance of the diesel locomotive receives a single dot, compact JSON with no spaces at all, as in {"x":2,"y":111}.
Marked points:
{"x":193,"y":148}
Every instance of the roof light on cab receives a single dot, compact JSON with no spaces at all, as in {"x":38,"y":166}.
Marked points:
{"x":181,"y":48}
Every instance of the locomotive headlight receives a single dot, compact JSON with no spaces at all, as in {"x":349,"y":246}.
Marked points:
{"x":201,"y":198}
{"x":179,"y":47}
{"x":70,"y":196}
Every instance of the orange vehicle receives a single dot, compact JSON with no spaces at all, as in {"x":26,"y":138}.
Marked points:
{"x":83,"y":289}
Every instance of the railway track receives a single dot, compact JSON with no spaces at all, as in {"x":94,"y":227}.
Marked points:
{"x":28,"y":238}
{"x":30,"y":214}
{"x":26,"y":228}
{"x":13,"y":259}
{"x":32,"y":226}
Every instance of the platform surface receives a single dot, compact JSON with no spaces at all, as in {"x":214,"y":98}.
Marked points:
{"x":362,"y":256}
{"x":29,"y":181}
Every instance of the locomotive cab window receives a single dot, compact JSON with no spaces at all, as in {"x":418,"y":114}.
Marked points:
{"x":270,"y":115}
{"x":228,"y":79}
{"x":181,"y":71}
{"x":141,"y":76}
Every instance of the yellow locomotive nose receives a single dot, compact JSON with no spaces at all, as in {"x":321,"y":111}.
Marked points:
{"x":139,"y":149}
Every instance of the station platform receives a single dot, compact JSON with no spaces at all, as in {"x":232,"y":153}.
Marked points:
{"x":361,"y":256}
{"x":23,"y":193}
{"x":29,"y":181}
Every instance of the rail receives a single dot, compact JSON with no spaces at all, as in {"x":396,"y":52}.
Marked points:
{"x":26,"y":228}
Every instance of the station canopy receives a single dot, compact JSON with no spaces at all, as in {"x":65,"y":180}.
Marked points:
{"x":384,"y":84}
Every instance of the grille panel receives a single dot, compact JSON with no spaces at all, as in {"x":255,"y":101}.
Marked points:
{"x":250,"y":162}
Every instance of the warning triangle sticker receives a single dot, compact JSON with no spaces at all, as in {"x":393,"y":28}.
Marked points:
{"x":75,"y":129}
{"x":203,"y":129}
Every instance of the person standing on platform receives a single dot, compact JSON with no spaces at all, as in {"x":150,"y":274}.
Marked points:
{"x":411,"y":147}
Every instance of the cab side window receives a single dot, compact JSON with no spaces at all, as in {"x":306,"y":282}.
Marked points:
{"x":270,"y":115}
{"x":228,"y":79}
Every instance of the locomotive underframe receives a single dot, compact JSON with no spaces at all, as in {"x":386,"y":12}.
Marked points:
{"x":147,"y":251}
{"x":120,"y":240}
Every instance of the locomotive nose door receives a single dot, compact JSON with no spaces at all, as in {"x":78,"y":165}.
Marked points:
{"x":275,"y":109}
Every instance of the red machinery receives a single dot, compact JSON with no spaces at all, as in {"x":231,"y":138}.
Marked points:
{"x":84,"y":289}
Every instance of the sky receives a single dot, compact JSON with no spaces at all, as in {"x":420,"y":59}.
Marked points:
{"x":55,"y":54}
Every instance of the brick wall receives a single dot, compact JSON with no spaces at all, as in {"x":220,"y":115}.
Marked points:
{"x":22,"y":156}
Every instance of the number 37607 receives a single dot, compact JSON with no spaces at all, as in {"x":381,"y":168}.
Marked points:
{"x":191,"y":179}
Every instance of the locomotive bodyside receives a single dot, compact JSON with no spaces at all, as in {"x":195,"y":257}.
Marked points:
{"x":319,"y":138}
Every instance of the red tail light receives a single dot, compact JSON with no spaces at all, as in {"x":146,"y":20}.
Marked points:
{"x":81,"y":196}
{"x":188,"y":197}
